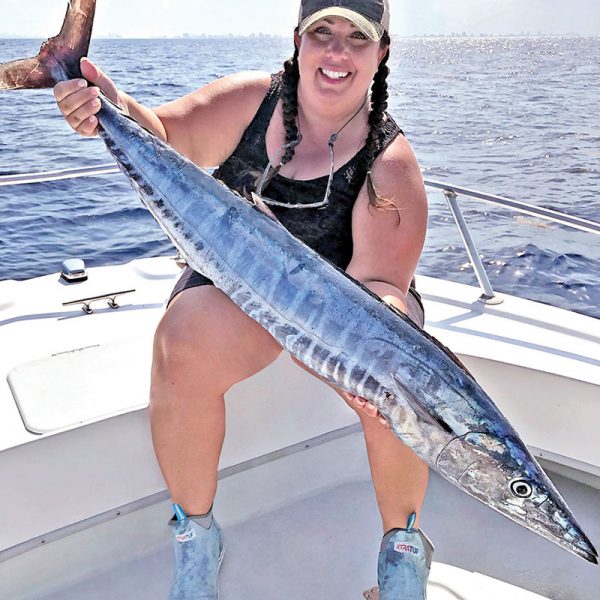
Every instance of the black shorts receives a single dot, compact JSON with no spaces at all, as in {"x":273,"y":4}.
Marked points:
{"x":190,"y":278}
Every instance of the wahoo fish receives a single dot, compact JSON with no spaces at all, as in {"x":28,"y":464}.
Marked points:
{"x":320,"y":315}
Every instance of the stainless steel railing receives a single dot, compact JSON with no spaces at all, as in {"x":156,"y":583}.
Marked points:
{"x":450,"y":191}
{"x":518,"y":206}
{"x":44,"y":176}
{"x":453,"y":191}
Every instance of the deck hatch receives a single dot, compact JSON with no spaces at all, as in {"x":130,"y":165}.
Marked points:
{"x":82,"y":385}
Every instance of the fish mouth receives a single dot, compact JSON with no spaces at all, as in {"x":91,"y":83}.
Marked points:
{"x":573,"y":538}
{"x":590,"y":555}
{"x":583,"y":548}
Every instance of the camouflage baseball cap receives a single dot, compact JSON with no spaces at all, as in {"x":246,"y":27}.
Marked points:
{"x":372,"y":17}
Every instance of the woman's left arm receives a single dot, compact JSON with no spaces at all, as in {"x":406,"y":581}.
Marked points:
{"x":388,"y":241}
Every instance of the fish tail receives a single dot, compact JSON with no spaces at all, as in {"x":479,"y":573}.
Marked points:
{"x":59,"y":56}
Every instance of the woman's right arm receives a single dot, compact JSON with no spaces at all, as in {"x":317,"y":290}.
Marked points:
{"x":78,"y":102}
{"x":206,"y":125}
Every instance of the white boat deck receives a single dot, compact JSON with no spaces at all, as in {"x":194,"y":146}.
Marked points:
{"x":77,"y":455}
{"x":41,"y":340}
{"x":306,"y":526}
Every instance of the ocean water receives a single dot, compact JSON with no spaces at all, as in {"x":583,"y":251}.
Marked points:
{"x":516,"y":117}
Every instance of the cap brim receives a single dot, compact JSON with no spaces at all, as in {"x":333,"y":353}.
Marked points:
{"x":372,"y":30}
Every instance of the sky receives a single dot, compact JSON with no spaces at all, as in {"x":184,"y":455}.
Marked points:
{"x":149,"y":18}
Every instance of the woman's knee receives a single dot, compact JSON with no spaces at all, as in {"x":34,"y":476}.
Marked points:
{"x":205,"y":336}
{"x":178,"y":336}
{"x":177,"y":352}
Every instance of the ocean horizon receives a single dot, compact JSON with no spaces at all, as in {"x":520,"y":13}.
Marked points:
{"x":509,"y":115}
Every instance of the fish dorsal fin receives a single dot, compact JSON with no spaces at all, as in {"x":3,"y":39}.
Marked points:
{"x":259,"y":203}
{"x":59,"y":56}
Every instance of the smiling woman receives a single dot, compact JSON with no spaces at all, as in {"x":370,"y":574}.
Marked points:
{"x":316,"y":142}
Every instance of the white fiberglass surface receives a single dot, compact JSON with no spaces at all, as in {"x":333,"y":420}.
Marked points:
{"x":517,"y":331}
{"x":35,"y":327}
{"x":324,"y":545}
{"x":72,"y":388}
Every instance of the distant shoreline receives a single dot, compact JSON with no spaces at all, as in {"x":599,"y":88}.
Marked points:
{"x":259,"y":36}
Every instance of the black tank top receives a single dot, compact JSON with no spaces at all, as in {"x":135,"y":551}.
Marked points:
{"x":327,"y":230}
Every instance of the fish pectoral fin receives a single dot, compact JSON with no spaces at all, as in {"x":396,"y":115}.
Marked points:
{"x":434,"y":418}
{"x":260,"y":205}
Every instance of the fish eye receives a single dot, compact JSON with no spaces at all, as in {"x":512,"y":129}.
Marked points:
{"x":521,"y":488}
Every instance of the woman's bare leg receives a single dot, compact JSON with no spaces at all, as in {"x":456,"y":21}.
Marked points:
{"x":399,"y":475}
{"x":203,"y":345}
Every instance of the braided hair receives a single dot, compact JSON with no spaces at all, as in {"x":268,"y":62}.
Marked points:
{"x":379,"y":97}
{"x":376,"y":137}
{"x":291,"y":76}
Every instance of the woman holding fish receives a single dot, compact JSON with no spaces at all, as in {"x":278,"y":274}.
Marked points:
{"x":316,"y":144}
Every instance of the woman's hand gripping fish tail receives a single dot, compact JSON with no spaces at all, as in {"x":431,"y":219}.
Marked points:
{"x":78,"y":99}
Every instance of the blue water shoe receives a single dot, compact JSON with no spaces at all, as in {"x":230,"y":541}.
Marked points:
{"x":404,"y":563}
{"x":198,"y":547}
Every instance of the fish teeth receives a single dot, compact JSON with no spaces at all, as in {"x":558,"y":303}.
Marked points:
{"x":335,"y":74}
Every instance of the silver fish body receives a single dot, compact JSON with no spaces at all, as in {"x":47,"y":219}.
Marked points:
{"x":319,"y":314}
{"x":344,"y":333}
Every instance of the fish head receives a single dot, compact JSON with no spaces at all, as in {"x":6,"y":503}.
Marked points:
{"x":501,"y":472}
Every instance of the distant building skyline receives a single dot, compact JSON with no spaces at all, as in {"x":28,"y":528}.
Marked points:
{"x":172,"y":18}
